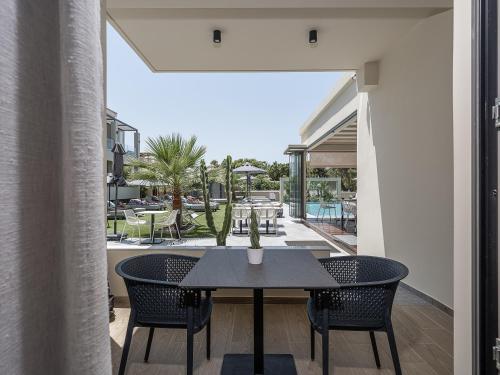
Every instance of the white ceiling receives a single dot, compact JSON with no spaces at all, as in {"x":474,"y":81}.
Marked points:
{"x":174,"y":35}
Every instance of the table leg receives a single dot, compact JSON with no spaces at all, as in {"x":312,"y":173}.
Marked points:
{"x":152,"y":235}
{"x":258,"y":331}
{"x":152,"y":240}
{"x":190,"y":325}
{"x":258,"y":363}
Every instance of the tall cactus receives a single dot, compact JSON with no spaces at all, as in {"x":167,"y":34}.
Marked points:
{"x":226,"y":225}
{"x":254,"y":231}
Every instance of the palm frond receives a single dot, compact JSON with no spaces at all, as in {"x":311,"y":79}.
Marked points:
{"x":175,"y":159}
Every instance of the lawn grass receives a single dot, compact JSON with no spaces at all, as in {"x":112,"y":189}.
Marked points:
{"x":200,"y":231}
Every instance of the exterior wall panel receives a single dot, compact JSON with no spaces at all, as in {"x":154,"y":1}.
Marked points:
{"x":405,"y":159}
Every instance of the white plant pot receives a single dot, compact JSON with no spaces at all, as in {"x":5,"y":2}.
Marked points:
{"x":255,"y":255}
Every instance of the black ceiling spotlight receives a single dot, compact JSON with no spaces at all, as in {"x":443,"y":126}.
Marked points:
{"x":217,"y":36}
{"x":313,"y":36}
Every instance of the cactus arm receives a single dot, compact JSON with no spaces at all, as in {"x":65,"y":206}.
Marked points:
{"x":226,"y":225}
{"x":206,"y":200}
{"x":229,"y":207}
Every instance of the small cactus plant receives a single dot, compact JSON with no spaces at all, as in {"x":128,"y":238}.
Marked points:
{"x":254,"y":231}
{"x":226,"y":225}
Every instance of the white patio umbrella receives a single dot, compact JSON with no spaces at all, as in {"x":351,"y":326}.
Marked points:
{"x":247,"y":169}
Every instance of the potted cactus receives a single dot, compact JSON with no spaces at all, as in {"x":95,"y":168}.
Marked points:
{"x":255,"y":252}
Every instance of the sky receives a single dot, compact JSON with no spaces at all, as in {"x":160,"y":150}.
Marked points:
{"x":245,"y":115}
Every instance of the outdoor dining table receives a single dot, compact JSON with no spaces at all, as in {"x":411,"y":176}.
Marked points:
{"x":152,"y":240}
{"x":280,"y":269}
{"x":257,"y":207}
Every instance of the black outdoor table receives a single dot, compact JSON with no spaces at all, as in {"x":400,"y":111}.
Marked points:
{"x":280,"y":269}
{"x":152,"y":240}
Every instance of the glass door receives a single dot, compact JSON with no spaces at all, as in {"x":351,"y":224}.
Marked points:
{"x":296,"y":187}
{"x":486,"y":119}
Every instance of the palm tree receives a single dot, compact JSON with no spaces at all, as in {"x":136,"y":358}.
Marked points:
{"x":174,"y":162}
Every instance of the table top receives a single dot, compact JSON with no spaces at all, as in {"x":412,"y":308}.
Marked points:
{"x":280,"y":269}
{"x":151,"y":212}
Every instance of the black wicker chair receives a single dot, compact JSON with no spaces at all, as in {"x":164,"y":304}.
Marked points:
{"x":362,"y":303}
{"x":156,"y":301}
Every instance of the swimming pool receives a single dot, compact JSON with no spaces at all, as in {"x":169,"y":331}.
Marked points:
{"x":312,"y":209}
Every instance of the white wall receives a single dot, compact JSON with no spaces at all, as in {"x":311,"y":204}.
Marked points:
{"x":405,"y":159}
{"x":462,"y":115}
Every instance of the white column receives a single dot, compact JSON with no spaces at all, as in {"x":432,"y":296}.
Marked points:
{"x":462,"y":141}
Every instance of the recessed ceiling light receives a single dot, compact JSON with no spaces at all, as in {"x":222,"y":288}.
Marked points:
{"x":217,"y":36}
{"x":313,"y":36}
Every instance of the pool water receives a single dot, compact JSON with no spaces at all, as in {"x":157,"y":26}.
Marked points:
{"x":312,"y":209}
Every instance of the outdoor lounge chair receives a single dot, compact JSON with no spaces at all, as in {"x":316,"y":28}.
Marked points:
{"x":191,"y":217}
{"x":168,"y":220}
{"x":156,"y":301}
{"x":362,"y":303}
{"x":132,"y":220}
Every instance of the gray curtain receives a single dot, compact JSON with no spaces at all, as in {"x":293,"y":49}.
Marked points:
{"x":53,"y":296}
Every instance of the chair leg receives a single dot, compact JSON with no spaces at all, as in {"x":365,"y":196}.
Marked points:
{"x":312,"y":343}
{"x":374,"y":347}
{"x":325,"y":343}
{"x":208,"y":338}
{"x":123,"y":231}
{"x":148,"y":346}
{"x":394,"y":349}
{"x":189,"y":352}
{"x":178,"y":232}
{"x":126,"y":345}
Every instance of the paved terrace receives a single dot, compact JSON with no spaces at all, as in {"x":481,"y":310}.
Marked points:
{"x":290,"y":232}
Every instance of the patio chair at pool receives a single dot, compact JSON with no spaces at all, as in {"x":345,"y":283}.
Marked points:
{"x":133,"y":221}
{"x":268,"y":215}
{"x":168,"y":220}
{"x":351,"y":211}
{"x":327,"y":206}
{"x":239,"y":215}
